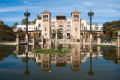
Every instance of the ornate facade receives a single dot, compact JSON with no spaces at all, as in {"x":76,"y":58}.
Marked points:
{"x":59,"y":27}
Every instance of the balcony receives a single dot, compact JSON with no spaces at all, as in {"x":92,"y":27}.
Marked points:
{"x":76,"y":19}
{"x":45,"y":20}
{"x":60,"y":25}
{"x":52,"y":25}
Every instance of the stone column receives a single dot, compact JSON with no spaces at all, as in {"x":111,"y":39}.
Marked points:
{"x":98,"y":41}
{"x":56,"y":36}
{"x":98,"y":48}
{"x":90,"y":39}
{"x":17,"y":48}
{"x":83,"y":41}
{"x":118,"y":42}
{"x":26,"y":38}
{"x":118,"y":54}
{"x":33,"y":40}
{"x":17,"y":40}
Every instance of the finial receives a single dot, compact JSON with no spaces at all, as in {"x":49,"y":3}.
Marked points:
{"x":90,"y":10}
{"x":46,"y":8}
{"x":75,"y":7}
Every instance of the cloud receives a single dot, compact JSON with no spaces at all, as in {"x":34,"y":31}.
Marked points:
{"x":7,"y":10}
{"x":11,"y":9}
{"x":25,"y":2}
{"x":107,"y":13}
{"x":88,"y":3}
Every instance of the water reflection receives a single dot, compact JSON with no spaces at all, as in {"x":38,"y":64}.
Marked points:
{"x":79,"y":55}
{"x":27,"y":71}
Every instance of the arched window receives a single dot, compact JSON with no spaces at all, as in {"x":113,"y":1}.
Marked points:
{"x":45,"y":29}
{"x":75,"y":28}
{"x":39,"y":25}
{"x":82,"y":26}
{"x":68,"y":31}
{"x":61,"y":24}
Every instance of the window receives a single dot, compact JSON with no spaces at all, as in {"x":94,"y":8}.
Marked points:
{"x":45,"y":29}
{"x":45,"y":16}
{"x":39,"y":25}
{"x":82,"y":26}
{"x":52,"y":23}
{"x":68,"y":24}
{"x":75,"y":28}
{"x":19,"y":28}
{"x":75,"y":52}
{"x":76,"y":16}
{"x":68,"y":31}
{"x":61,"y":24}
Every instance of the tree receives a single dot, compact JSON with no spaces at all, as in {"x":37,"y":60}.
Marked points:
{"x":38,"y":17}
{"x":14,"y":25}
{"x":21,"y":34}
{"x":23,"y":22}
{"x":111,"y":29}
{"x":1,"y":23}
{"x":6,"y":33}
{"x":5,"y":27}
{"x":34,"y":22}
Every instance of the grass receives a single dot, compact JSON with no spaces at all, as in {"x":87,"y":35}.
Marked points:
{"x":103,"y":45}
{"x":51,"y":51}
{"x":9,"y":45}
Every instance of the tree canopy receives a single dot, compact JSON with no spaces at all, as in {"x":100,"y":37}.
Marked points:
{"x":111,"y":29}
{"x":14,"y":25}
{"x":38,"y":17}
{"x":1,"y":23}
{"x":23,"y":22}
{"x":6,"y":33}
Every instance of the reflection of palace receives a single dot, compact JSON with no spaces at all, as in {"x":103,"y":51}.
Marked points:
{"x":74,"y":58}
{"x":118,"y":54}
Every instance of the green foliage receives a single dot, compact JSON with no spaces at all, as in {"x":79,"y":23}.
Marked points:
{"x":1,"y":23}
{"x":103,"y":45}
{"x":38,"y":17}
{"x":6,"y":33}
{"x":78,"y":40}
{"x":14,"y":25}
{"x":110,"y":29}
{"x":94,"y":34}
{"x":21,"y":34}
{"x":110,"y":54}
{"x":51,"y":51}
{"x":23,"y":22}
{"x":6,"y":51}
{"x":34,"y":22}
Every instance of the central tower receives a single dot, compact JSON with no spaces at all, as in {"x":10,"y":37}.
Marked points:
{"x":76,"y":24}
{"x":46,"y":22}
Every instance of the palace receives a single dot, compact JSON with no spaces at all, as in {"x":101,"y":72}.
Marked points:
{"x":60,"y":27}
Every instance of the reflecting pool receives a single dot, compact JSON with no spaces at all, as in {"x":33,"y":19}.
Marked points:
{"x":82,"y":63}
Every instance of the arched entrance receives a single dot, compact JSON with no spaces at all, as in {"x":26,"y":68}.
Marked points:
{"x":53,"y":34}
{"x":60,"y":33}
{"x":68,"y":34}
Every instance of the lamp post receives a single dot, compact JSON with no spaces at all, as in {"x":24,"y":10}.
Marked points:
{"x":91,"y":73}
{"x":90,"y":14}
{"x":27,"y":14}
{"x":84,"y":31}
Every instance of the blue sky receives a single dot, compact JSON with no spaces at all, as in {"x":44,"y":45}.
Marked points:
{"x":12,"y":11}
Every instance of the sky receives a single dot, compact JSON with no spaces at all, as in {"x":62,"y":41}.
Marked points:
{"x":12,"y":11}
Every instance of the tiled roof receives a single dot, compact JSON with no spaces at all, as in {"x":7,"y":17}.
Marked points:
{"x":45,"y":12}
{"x":75,"y":12}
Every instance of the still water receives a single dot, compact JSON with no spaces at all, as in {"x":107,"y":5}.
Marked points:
{"x":82,"y":63}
